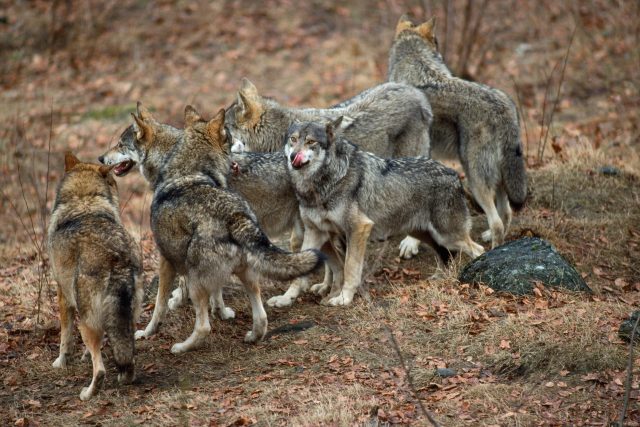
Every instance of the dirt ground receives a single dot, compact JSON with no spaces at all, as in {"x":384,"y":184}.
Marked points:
{"x":71,"y":73}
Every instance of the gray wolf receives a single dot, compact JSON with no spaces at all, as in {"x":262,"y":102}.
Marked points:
{"x":352,"y":195}
{"x":389,"y":120}
{"x":472,"y":122}
{"x":96,"y":266}
{"x":261,"y":178}
{"x":204,"y":230}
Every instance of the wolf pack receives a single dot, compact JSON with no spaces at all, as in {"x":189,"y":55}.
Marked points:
{"x":335,"y":178}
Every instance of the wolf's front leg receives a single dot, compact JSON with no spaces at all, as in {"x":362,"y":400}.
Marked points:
{"x":354,"y":260}
{"x":313,"y":239}
{"x":167,"y":276}
{"x":260,"y":322}
{"x":217,"y":303}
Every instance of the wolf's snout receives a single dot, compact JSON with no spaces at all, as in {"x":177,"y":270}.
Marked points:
{"x":292,"y":157}
{"x":101,"y":159}
{"x":297,"y":160}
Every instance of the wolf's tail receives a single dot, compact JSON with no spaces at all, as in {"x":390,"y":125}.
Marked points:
{"x":119,"y":324}
{"x":514,"y":175}
{"x":270,"y":260}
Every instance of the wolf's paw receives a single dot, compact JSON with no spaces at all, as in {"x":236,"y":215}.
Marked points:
{"x":320,"y":288}
{"x":86,"y":393}
{"x":176,"y":300}
{"x":251,"y":337}
{"x":142,"y":333}
{"x":279,"y":301}
{"x":126,"y":377}
{"x":226,"y":313}
{"x":487,"y":236}
{"x":409,"y":247}
{"x":60,"y":362}
{"x":343,"y":298}
{"x":179,"y":348}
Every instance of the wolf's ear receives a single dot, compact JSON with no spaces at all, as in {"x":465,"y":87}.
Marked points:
{"x":248,"y":101}
{"x":105,"y":169}
{"x":143,"y":123}
{"x":144,"y":113}
{"x":191,"y":116}
{"x":403,"y":24}
{"x":215,"y":129}
{"x":70,"y":161}
{"x":427,"y":29}
{"x":332,"y":128}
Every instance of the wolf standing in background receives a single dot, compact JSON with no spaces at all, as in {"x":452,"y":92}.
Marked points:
{"x":353,"y":195}
{"x":473,"y":122}
{"x":204,"y":230}
{"x":97,"y":268}
{"x":389,"y":120}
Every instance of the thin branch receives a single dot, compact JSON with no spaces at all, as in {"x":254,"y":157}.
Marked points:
{"x":555,"y":104}
{"x":627,"y":386}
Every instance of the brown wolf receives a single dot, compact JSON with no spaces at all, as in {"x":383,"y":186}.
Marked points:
{"x":97,"y":267}
{"x":472,"y":122}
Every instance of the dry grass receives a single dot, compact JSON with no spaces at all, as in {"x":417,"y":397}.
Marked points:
{"x":506,"y":351}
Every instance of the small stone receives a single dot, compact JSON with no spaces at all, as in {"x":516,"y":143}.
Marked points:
{"x":626,"y":328}
{"x":609,"y":170}
{"x":446,"y":372}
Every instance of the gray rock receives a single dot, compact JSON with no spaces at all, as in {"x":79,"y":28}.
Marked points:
{"x":626,"y":328}
{"x":516,"y":265}
{"x":446,"y":372}
{"x":610,"y":170}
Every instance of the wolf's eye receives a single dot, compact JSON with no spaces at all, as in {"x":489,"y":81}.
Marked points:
{"x":293,"y":139}
{"x":311,"y":143}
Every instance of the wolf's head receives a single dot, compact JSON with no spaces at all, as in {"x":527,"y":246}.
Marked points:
{"x":309,"y":144}
{"x":415,"y":48}
{"x":87,"y":180}
{"x":146,"y":143}
{"x":256,"y":123}
{"x":426,"y":31}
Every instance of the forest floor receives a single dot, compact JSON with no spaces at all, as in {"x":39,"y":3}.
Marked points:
{"x":71,"y":76}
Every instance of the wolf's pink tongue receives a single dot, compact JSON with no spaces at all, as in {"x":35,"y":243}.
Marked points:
{"x":297,"y":160}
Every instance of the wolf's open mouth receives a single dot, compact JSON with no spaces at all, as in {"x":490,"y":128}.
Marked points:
{"x":123,"y":167}
{"x":298,"y":161}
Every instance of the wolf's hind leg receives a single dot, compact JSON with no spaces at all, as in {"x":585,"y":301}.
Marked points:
{"x":485,"y":198}
{"x":167,"y":276}
{"x":92,"y":338}
{"x":200,"y":299}
{"x":504,"y":208}
{"x":66,"y":331}
{"x":260,"y":321}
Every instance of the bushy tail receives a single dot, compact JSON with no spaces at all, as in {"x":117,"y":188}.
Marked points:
{"x":514,"y":175}
{"x":119,"y":325}
{"x":267,"y":258}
